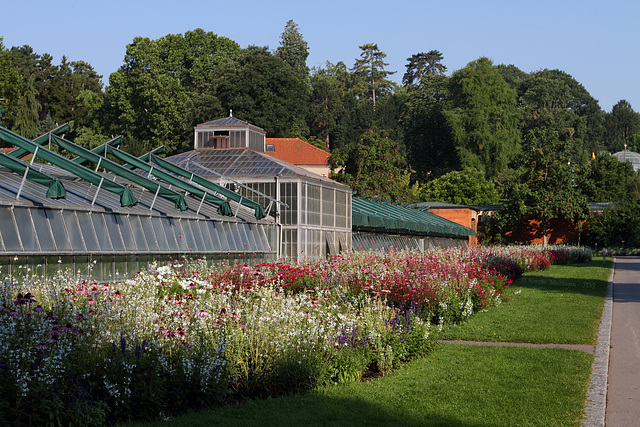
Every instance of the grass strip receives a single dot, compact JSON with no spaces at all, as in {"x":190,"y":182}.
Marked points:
{"x":561,"y":305}
{"x":457,"y":385}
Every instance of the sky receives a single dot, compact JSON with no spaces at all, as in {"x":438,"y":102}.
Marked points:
{"x":596,"y":42}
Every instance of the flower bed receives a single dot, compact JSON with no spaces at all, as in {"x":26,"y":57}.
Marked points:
{"x":189,"y":335}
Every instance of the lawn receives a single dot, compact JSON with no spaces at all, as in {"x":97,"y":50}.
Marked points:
{"x":560,"y":305}
{"x":457,"y":385}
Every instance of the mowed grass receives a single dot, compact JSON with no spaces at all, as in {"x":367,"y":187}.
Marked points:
{"x":561,"y":305}
{"x":462,"y":385}
{"x":458,"y":385}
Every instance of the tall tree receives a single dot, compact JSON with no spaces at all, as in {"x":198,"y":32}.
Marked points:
{"x":146,"y":97}
{"x":370,"y":70}
{"x":431,"y":148}
{"x":293,"y":49}
{"x":544,"y":187}
{"x":262,"y":89}
{"x":27,"y":108}
{"x":484,"y":118}
{"x":555,"y":100}
{"x":10,"y":82}
{"x":620,"y":125}
{"x":422,"y":64}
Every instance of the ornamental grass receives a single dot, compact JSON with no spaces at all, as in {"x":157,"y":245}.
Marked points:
{"x":188,"y":335}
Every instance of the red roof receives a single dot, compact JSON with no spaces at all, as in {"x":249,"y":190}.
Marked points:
{"x":296,"y":151}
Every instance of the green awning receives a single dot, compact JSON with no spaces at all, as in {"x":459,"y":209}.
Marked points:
{"x":223,"y":205}
{"x":88,"y":175}
{"x":257,"y":208}
{"x":55,"y":188}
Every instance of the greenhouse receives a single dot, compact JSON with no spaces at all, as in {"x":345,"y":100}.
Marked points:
{"x":312,"y":213}
{"x":385,"y":226}
{"x":110,"y":221}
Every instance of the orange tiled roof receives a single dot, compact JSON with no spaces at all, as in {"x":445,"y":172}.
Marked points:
{"x":297,"y":151}
{"x":5,"y":150}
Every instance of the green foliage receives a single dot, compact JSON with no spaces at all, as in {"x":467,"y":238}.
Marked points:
{"x":466,"y":187}
{"x":422,"y":64}
{"x":263,"y":90}
{"x":373,"y":165}
{"x":544,"y":186}
{"x":554,"y":100}
{"x":370,"y":75}
{"x":431,"y":148}
{"x":606,"y":179}
{"x":484,"y":119}
{"x":146,"y":97}
{"x":621,"y":125}
{"x":293,"y":49}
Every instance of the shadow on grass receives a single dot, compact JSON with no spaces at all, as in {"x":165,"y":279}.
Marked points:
{"x":588,"y":278}
{"x":310,"y":410}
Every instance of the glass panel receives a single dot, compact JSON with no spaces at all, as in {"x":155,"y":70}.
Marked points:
{"x":198,"y":243}
{"x":251,"y":231}
{"x":206,"y":236}
{"x":73,"y":229}
{"x":159,"y":231}
{"x":231,"y":243}
{"x":183,"y":244}
{"x":148,"y":233}
{"x":43,"y":230}
{"x":8,"y":230}
{"x":187,"y":235}
{"x":327,"y":207}
{"x":101,"y":232}
{"x":313,"y":204}
{"x":168,"y":226}
{"x":113,"y":229}
{"x":58,"y":230}
{"x":25,"y":227}
{"x":126,"y":232}
{"x":215,"y":231}
{"x":90,"y":240}
{"x":138,"y":233}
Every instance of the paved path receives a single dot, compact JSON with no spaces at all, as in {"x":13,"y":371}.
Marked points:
{"x":623,"y":385}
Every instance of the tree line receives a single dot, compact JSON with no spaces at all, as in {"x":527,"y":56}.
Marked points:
{"x":487,"y":133}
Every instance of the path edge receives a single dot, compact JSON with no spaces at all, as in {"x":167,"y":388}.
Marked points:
{"x":597,"y":394}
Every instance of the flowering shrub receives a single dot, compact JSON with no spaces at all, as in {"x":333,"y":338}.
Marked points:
{"x":188,"y":335}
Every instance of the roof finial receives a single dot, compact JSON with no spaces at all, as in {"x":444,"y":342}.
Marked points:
{"x":230,"y":112}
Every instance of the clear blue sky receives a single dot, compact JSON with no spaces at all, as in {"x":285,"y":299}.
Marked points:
{"x":597,"y":42}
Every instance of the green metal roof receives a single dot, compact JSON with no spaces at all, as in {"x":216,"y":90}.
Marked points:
{"x":371,"y":215}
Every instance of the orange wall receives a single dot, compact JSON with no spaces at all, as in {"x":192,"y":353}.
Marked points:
{"x":463,"y":216}
{"x":531,"y":233}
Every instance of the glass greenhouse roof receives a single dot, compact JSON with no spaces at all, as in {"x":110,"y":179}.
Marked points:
{"x":628,"y":156}
{"x":243,"y":164}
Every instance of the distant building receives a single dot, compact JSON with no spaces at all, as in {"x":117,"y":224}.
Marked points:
{"x":628,"y":156}
{"x":299,"y":153}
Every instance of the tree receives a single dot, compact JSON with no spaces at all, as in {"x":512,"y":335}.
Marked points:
{"x":544,"y":187}
{"x":422,"y":64}
{"x":374,"y":165}
{"x":484,"y":119}
{"x":263,"y":90}
{"x":621,"y":125}
{"x":370,"y":72}
{"x":147,"y":97}
{"x":293,"y":50}
{"x":555,"y":100}
{"x":465,"y":187}
{"x":606,"y":179}
{"x":26,"y":114}
{"x":10,"y":82}
{"x":431,"y":148}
